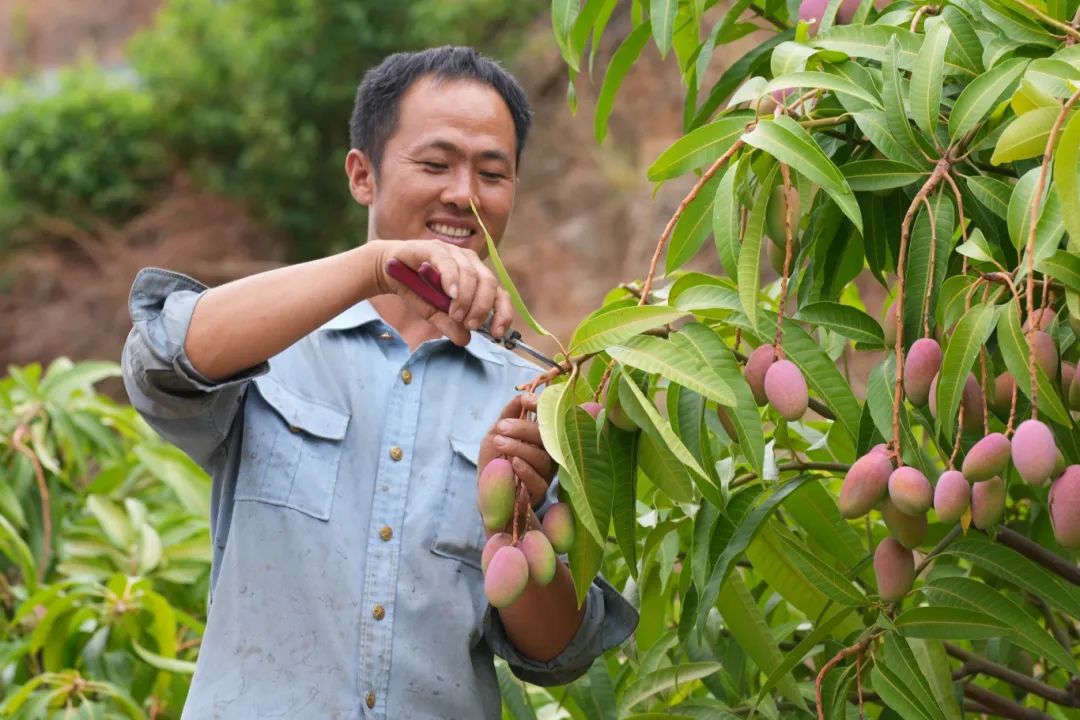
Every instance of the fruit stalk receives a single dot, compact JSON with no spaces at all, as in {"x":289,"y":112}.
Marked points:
{"x":785,"y":173}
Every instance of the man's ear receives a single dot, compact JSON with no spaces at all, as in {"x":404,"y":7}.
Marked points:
{"x":361,"y":173}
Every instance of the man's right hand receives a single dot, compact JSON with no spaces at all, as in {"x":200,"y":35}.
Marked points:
{"x":473,"y":288}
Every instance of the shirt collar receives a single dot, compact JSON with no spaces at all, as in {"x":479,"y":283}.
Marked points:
{"x":364,"y":313}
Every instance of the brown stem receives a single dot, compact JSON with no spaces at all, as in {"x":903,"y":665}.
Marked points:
{"x":826,"y":121}
{"x":767,"y":18}
{"x":706,"y":176}
{"x":985,"y":380}
{"x":856,"y":649}
{"x":1002,"y":706}
{"x":977,"y":664}
{"x":1068,"y":29}
{"x":43,"y":491}
{"x":788,"y":212}
{"x":1036,"y":207}
{"x":1037,"y":553}
{"x":959,"y":434}
{"x":932,"y":9}
{"x":788,"y":467}
{"x":941,"y":169}
{"x":939,"y":548}
{"x":1009,"y":428}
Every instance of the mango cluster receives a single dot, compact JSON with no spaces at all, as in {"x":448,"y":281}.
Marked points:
{"x":508,"y":565}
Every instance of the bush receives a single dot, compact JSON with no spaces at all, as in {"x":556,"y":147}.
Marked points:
{"x":87,"y":145}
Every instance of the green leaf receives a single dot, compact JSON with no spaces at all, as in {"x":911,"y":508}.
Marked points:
{"x":726,"y":220}
{"x":1049,"y":229}
{"x":659,"y":427}
{"x":59,"y":386}
{"x":869,"y":42}
{"x":945,"y":623}
{"x":814,"y":509}
{"x":843,"y":319}
{"x":620,"y":64}
{"x":927,"y":75}
{"x":747,"y":625}
{"x":874,"y":175}
{"x":505,"y":280}
{"x":930,"y":657}
{"x":1016,"y":354}
{"x":900,"y":660}
{"x":699,"y":147}
{"x":1067,"y":179}
{"x":994,"y":194}
{"x":823,"y":81}
{"x":611,"y":328}
{"x":969,"y":594}
{"x":821,"y":631}
{"x":18,"y":552}
{"x":662,"y":15}
{"x":563,"y":15}
{"x":549,"y":417}
{"x":1025,"y":137}
{"x":837,"y":587}
{"x":788,"y":142}
{"x":750,"y":253}
{"x":179,"y":473}
{"x":918,"y":275}
{"x":655,"y":355}
{"x":744,"y":414}
{"x":622,"y":450}
{"x":692,"y":228}
{"x":1013,"y":567}
{"x":896,"y":112}
{"x":969,"y":49}
{"x":880,"y":398}
{"x":665,"y":679}
{"x":586,"y":558}
{"x":982,"y":94}
{"x":515,"y":698}
{"x":167,"y":664}
{"x":112,"y":519}
{"x":895,"y":693}
{"x":878,"y":128}
{"x":970,"y":335}
{"x":589,"y":471}
{"x":1063,"y":265}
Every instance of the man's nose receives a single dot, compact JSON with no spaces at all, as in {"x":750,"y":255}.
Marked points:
{"x":460,"y":188}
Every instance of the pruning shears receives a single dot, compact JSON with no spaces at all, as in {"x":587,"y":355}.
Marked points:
{"x":427,"y":283}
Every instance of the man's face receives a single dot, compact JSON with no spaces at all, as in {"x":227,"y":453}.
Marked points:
{"x":454,"y":141}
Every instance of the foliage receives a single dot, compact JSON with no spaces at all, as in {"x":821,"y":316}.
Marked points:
{"x":103,"y":596}
{"x":87,"y":147}
{"x":908,"y":146}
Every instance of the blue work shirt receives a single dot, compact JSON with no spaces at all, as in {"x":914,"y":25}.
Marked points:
{"x":345,"y":578}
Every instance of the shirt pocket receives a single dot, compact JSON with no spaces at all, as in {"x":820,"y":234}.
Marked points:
{"x":292,"y":449}
{"x":459,"y":532}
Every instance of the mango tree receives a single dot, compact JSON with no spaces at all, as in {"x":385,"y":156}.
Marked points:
{"x":802,"y":537}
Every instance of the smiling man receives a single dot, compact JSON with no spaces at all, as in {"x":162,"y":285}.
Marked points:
{"x":342,"y":420}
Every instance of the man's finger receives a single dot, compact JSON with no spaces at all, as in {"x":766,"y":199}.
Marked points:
{"x":533,"y":455}
{"x":523,"y":430}
{"x":467,"y":281}
{"x":533,"y":481}
{"x":504,"y":313}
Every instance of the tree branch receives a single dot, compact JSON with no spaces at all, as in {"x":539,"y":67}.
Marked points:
{"x":1002,"y":706}
{"x":977,"y":664}
{"x":1037,"y":553}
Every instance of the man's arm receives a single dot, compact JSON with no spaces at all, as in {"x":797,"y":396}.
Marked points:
{"x":245,"y":322}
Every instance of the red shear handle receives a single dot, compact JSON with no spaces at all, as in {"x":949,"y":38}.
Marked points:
{"x":420,"y":283}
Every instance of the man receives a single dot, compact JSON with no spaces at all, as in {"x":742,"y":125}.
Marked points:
{"x":343,"y":421}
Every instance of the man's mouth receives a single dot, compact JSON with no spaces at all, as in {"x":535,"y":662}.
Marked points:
{"x":451,"y":233}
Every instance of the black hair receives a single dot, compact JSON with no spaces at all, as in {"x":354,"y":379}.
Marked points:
{"x":375,"y":113}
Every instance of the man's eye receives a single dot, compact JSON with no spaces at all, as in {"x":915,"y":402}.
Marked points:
{"x":434,"y":166}
{"x":493,"y":176}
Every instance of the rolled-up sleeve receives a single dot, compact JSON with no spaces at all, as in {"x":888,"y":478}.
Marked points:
{"x":180,"y":403}
{"x":609,"y":620}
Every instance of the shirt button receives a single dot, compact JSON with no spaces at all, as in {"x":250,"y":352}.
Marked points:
{"x":378,"y":612}
{"x":384,"y":335}
{"x":406,"y":377}
{"x":385,"y":533}
{"x":370,"y":700}
{"x":396,"y":453}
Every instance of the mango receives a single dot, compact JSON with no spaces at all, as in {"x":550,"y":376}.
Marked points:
{"x":726,"y":423}
{"x":888,"y":325}
{"x":894,"y":568}
{"x":1003,"y":391}
{"x":616,"y":415}
{"x":495,"y":493}
{"x":776,"y":256}
{"x":540,"y":555}
{"x":775,"y":220}
{"x":1059,"y":464}
{"x":558,"y":525}
{"x":1034,"y":452}
{"x":496,"y":541}
{"x":593,"y":408}
{"x":987,"y":458}
{"x":909,"y":530}
{"x":1044,"y":318}
{"x":1073,"y":392}
{"x":812,"y":11}
{"x":910,"y":491}
{"x":786,"y":390}
{"x":865,"y":484}
{"x":1068,"y":372}
{"x":920,"y":366}
{"x":506,"y":577}
{"x":1064,"y":502}
{"x":987,"y":502}
{"x":952,"y":496}
{"x":1046,"y":352}
{"x":757,"y":365}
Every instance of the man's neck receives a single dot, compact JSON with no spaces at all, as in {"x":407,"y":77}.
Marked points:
{"x":412,"y":328}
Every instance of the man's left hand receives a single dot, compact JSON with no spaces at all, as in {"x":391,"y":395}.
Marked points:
{"x":519,"y":440}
